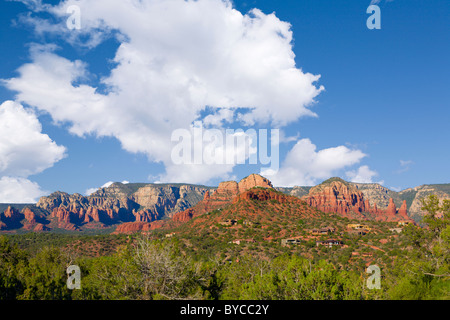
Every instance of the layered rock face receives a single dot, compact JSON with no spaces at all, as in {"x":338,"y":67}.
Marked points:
{"x":12,"y":218}
{"x":416,"y":194}
{"x":253,"y":180}
{"x":403,"y":210}
{"x":142,"y":206}
{"x":376,"y":193}
{"x":262,"y":195}
{"x":120,"y":203}
{"x":294,"y":191}
{"x":225,"y":194}
{"x":337,"y":196}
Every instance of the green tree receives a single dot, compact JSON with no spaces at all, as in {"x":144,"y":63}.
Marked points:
{"x":45,"y":277}
{"x":425,"y":273}
{"x":114,"y":277}
{"x":165,"y":272}
{"x":13,"y":262}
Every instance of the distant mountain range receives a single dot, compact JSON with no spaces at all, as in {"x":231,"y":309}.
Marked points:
{"x":140,"y":206}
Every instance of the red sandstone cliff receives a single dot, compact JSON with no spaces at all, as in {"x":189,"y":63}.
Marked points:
{"x":223,"y":195}
{"x":337,"y":196}
{"x":403,"y":211}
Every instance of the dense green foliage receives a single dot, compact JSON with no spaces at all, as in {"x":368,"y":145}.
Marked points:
{"x":425,"y":272}
{"x":144,"y":267}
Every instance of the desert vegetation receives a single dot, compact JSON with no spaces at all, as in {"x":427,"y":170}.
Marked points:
{"x":207,"y":264}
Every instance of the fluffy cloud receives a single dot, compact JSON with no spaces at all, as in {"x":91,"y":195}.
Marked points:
{"x":19,"y":190}
{"x":175,"y":59}
{"x":24,"y":151}
{"x":363,"y":175}
{"x":304,"y":165}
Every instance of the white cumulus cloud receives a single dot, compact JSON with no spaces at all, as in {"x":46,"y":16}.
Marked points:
{"x":304,"y":165}
{"x":175,"y":58}
{"x":363,"y":175}
{"x":24,"y":151}
{"x":19,"y":190}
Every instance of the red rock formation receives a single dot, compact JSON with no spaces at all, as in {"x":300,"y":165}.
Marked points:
{"x":144,"y":215}
{"x":261,"y":196}
{"x":11,"y":213}
{"x":10,"y":218}
{"x":66,"y":219}
{"x":131,"y":227}
{"x":337,"y":197}
{"x":184,"y":216}
{"x":367,"y":205}
{"x":403,"y":210}
{"x":225,"y":190}
{"x":225,"y":193}
{"x":391,"y":209}
{"x":29,"y":215}
{"x":61,"y":214}
{"x":93,"y":212}
{"x":253,"y":180}
{"x":40,"y":227}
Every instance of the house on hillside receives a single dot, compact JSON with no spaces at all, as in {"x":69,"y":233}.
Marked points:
{"x":323,"y":231}
{"x":289,"y":241}
{"x":228,"y":222}
{"x":357,"y":226}
{"x":329,"y":243}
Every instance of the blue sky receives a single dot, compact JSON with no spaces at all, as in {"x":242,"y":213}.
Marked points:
{"x":383,"y":115}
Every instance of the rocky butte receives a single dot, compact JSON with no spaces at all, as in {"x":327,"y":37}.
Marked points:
{"x":12,"y":218}
{"x":338,"y":196}
{"x":119,"y":203}
{"x":142,"y":206}
{"x":223,"y":195}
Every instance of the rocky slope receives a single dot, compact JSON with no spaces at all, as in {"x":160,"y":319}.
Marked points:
{"x":414,"y":196}
{"x":109,"y":206}
{"x":140,"y":206}
{"x":379,"y":197}
{"x":219,"y":198}
{"x":296,"y":191}
{"x":27,"y":218}
{"x":223,"y":195}
{"x":377,"y":194}
{"x":332,"y":196}
{"x":338,"y":196}
{"x":256,"y":209}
